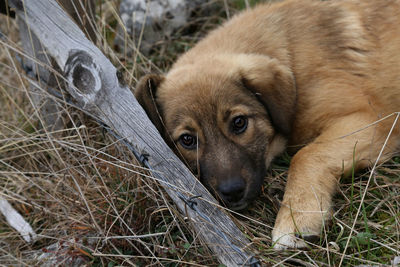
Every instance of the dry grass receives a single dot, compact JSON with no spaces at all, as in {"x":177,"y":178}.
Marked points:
{"x":80,"y":187}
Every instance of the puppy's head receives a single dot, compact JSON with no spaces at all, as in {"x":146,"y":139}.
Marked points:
{"x":226,"y":116}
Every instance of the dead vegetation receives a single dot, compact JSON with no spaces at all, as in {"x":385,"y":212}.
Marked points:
{"x":83,"y":191}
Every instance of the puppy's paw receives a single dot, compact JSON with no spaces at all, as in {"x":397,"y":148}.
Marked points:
{"x":284,"y":241}
{"x":293,"y":229}
{"x":290,"y":240}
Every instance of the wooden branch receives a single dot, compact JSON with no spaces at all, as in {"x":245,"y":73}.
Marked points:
{"x":48,"y":109}
{"x":96,"y":89}
{"x":16,"y":221}
{"x":82,"y":11}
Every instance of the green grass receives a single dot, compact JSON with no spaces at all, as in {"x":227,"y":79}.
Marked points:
{"x":240,"y":4}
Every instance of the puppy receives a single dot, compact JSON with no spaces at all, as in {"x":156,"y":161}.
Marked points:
{"x":315,"y":75}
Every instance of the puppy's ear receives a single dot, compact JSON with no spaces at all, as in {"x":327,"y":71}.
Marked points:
{"x":145,"y":94}
{"x":274,"y":86}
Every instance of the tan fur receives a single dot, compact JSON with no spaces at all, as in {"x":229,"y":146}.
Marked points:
{"x":308,"y":72}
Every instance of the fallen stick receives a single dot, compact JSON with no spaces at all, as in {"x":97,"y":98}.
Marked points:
{"x":96,"y":89}
{"x":16,"y":221}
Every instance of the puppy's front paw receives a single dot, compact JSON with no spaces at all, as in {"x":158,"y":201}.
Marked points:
{"x":283,"y":241}
{"x":293,"y":228}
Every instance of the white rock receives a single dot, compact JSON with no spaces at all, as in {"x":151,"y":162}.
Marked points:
{"x":157,"y":18}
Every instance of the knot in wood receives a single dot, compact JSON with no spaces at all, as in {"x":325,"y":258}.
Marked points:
{"x":83,"y":76}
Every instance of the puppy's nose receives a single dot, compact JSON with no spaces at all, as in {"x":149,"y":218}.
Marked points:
{"x":232,"y":190}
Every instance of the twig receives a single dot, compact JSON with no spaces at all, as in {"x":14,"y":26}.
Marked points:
{"x":16,"y":221}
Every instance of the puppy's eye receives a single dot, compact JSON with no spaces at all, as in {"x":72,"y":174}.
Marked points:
{"x":239,"y":124}
{"x":188,"y":141}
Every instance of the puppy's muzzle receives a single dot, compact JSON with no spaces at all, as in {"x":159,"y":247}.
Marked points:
{"x":232,"y":191}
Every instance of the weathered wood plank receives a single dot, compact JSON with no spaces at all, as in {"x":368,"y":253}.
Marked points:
{"x":95,"y":87}
{"x":50,"y":111}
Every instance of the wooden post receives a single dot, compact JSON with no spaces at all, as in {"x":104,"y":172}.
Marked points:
{"x":52,"y":115}
{"x":94,"y":85}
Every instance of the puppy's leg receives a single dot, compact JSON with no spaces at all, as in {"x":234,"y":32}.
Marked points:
{"x":314,"y":173}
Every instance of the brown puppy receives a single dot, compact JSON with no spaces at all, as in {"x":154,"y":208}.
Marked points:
{"x":310,"y":73}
